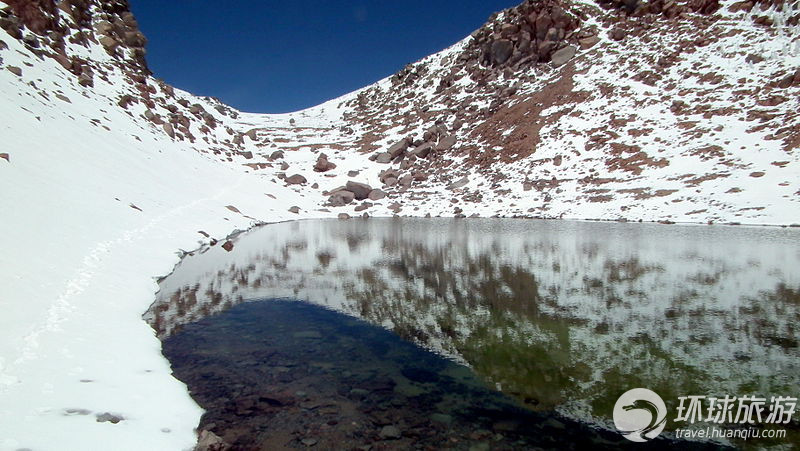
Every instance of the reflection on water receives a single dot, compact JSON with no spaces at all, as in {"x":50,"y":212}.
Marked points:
{"x":563,"y":315}
{"x":274,"y":373}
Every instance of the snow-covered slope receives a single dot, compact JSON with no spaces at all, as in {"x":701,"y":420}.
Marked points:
{"x":106,"y":173}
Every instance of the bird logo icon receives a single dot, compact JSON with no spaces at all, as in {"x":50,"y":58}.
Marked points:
{"x":640,"y":415}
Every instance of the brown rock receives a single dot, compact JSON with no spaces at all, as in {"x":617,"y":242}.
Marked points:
{"x":169,"y":130}
{"x":5,"y":157}
{"x":375,"y":194}
{"x":341,"y":198}
{"x":126,"y":100}
{"x":135,"y":39}
{"x":405,"y":181}
{"x":398,"y":148}
{"x":753,"y":58}
{"x":109,"y":43}
{"x":360,"y":190}
{"x":422,"y":150}
{"x":15,"y":70}
{"x":741,"y":6}
{"x":104,"y":27}
{"x":228,"y":246}
{"x":587,"y":43}
{"x":458,"y":183}
{"x":617,"y":34}
{"x":545,"y":48}
{"x":445,"y":143}
{"x":542,"y":24}
{"x":322,"y":164}
{"x":563,"y":55}
{"x":420,"y":176}
{"x":501,"y":50}
{"x":363,"y":206}
{"x":294,"y":209}
{"x":86,"y":80}
{"x":387,"y":174}
{"x":296,"y":179}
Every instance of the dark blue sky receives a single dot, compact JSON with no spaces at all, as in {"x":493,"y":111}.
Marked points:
{"x":268,"y":56}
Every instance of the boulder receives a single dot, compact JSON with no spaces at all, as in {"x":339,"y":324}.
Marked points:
{"x":376,"y":194}
{"x":104,"y":27}
{"x":31,"y":41}
{"x":398,"y":148}
{"x":501,"y":50}
{"x":420,"y":176}
{"x":422,"y":150}
{"x":86,"y":80}
{"x":617,"y":34}
{"x":561,"y":56}
{"x":135,"y":39}
{"x":15,"y":70}
{"x":341,"y":198}
{"x":295,"y":179}
{"x":294,"y":209}
{"x":276,"y":155}
{"x":109,"y":43}
{"x":445,"y":143}
{"x":393,"y":173}
{"x":405,"y":181}
{"x":322,"y":164}
{"x":169,"y":130}
{"x":360,"y":190}
{"x":458,"y":183}
{"x":587,"y":43}
{"x":384,"y":158}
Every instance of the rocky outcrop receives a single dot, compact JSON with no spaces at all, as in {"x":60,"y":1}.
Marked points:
{"x":38,"y":25}
{"x":526,"y":35}
{"x":667,"y":8}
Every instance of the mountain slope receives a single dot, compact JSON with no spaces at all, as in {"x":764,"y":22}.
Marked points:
{"x":656,"y":111}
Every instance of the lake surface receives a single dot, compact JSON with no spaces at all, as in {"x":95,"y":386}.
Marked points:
{"x":559,"y":317}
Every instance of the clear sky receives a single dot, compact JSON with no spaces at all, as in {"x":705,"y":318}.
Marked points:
{"x":270,"y":57}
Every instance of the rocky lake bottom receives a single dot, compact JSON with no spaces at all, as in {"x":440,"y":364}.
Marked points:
{"x":280,"y":374}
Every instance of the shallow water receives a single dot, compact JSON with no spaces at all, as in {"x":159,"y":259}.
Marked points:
{"x":561,"y":316}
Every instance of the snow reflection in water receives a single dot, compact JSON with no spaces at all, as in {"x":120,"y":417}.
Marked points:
{"x":562,"y":315}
